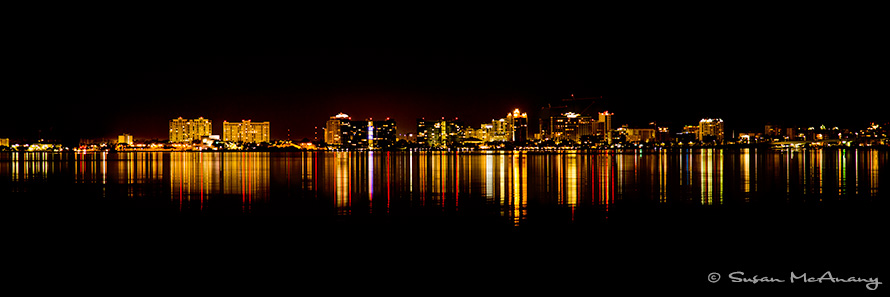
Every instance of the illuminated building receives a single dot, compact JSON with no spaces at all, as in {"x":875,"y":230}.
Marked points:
{"x":342,"y":131}
{"x":4,"y":142}
{"x":183,"y":130}
{"x":481,"y":134}
{"x":125,"y":139}
{"x":518,"y":123}
{"x":640,"y":135}
{"x":382,"y":134}
{"x":335,"y":128}
{"x":772,"y":130}
{"x":750,"y":137}
{"x":438,"y":134}
{"x":710,"y":130}
{"x":689,"y":134}
{"x":370,"y":134}
{"x":514,"y":127}
{"x":790,"y":133}
{"x":501,"y":130}
{"x":246,"y":131}
{"x":571,"y":126}
{"x":663,"y":135}
{"x":604,"y":125}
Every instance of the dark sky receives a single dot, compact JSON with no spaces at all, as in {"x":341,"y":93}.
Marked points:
{"x":85,"y":78}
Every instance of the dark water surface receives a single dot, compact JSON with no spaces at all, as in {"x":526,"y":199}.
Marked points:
{"x":418,"y":223}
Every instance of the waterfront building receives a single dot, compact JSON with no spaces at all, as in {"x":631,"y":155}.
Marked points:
{"x":336,"y":128}
{"x":640,"y":135}
{"x":501,"y":130}
{"x":382,"y":134}
{"x":518,"y":125}
{"x":246,"y":131}
{"x":571,"y":126}
{"x":188,"y":130}
{"x":370,"y":134}
{"x":125,"y":139}
{"x":604,"y":126}
{"x":710,"y":130}
{"x":4,"y":142}
{"x":438,"y":134}
{"x":342,"y":132}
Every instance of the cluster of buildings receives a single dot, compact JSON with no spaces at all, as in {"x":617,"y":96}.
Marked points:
{"x":567,"y":130}
{"x":557,"y":127}
{"x":201,"y":129}
{"x":191,"y":134}
{"x":341,"y":131}
{"x":873,"y":135}
{"x":445,"y":133}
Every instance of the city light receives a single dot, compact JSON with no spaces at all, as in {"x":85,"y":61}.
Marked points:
{"x":568,"y":129}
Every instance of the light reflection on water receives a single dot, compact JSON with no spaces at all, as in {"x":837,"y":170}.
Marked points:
{"x":505,"y":184}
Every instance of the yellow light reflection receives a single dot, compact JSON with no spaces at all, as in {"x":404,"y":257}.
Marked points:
{"x":706,"y":171}
{"x":746,"y":173}
{"x":342,"y":179}
{"x":370,"y":174}
{"x":572,"y":182}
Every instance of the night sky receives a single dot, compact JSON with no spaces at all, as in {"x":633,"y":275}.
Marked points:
{"x":86,"y":78}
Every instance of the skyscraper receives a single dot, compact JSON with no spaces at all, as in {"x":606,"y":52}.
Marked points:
{"x":125,"y":139}
{"x":382,"y":134}
{"x":605,"y":122}
{"x":438,"y":134}
{"x":501,"y":130}
{"x":518,"y":125}
{"x":334,"y":128}
{"x":571,"y":126}
{"x":342,"y":131}
{"x":710,"y":130}
{"x":370,"y":134}
{"x":246,"y":131}
{"x":183,"y":130}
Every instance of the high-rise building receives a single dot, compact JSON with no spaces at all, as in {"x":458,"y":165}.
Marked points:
{"x":571,"y":126}
{"x":370,"y":134}
{"x":125,"y":139}
{"x":710,"y":130}
{"x":342,"y":131}
{"x":438,"y":134}
{"x":246,"y":131}
{"x":4,"y":142}
{"x":382,"y":134}
{"x":605,"y":125}
{"x":334,"y":128}
{"x":518,"y":125}
{"x":179,"y":130}
{"x":184,"y":130}
{"x":482,"y":134}
{"x":501,"y":130}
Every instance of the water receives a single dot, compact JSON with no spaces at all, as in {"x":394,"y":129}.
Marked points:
{"x":679,"y":213}
{"x":498,"y":184}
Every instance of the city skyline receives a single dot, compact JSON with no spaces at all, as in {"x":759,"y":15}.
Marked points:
{"x":599,"y":125}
